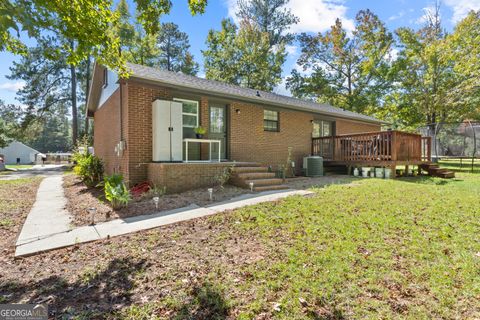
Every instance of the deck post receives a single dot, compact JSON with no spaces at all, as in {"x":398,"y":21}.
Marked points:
{"x":405,"y":174}
{"x":394,"y":146}
{"x":393,"y":168}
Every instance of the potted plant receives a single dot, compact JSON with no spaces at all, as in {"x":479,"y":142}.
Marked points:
{"x":199,"y":132}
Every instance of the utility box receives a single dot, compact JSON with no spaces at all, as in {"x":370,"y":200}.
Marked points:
{"x":167,"y":129}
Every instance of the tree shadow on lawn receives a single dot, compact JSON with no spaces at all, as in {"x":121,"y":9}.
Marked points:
{"x":93,"y":292}
{"x":429,"y":180}
{"x":207,"y":302}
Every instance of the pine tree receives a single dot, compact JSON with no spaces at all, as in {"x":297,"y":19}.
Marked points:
{"x":173,"y":45}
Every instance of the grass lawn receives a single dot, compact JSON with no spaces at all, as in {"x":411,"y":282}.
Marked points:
{"x":465,"y":165}
{"x":404,"y":248}
{"x":18,"y":166}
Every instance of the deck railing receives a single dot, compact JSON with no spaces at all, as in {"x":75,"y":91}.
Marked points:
{"x":373,"y":146}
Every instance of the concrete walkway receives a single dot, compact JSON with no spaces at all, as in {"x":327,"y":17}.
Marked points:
{"x":36,"y":170}
{"x":65,"y":238}
{"x":48,"y":215}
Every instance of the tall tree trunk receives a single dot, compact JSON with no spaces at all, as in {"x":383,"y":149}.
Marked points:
{"x":74,"y":101}
{"x":87,"y":92}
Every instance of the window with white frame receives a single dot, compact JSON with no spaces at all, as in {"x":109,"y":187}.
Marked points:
{"x":189,"y":113}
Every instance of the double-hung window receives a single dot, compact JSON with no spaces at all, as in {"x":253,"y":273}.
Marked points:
{"x":322,"y":129}
{"x":271,"y":120}
{"x":189,"y":113}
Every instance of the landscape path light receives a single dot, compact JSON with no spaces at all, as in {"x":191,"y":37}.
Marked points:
{"x":156,"y":200}
{"x":92,"y":212}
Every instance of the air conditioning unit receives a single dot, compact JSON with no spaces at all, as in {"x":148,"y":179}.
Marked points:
{"x":313,"y":166}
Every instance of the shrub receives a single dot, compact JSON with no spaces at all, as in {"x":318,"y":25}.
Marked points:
{"x":89,"y":167}
{"x":222,"y":178}
{"x":116,"y":192}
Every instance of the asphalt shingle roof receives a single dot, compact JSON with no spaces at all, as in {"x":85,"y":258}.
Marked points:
{"x":228,"y":90}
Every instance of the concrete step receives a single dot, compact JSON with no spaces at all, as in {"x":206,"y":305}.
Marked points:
{"x":272,"y":187}
{"x":264,"y":182}
{"x":249,"y":169}
{"x":427,"y":166}
{"x":445,"y":174}
{"x":256,"y":175}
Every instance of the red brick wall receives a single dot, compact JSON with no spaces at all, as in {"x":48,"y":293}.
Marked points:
{"x":247,"y":139}
{"x":178,"y":177}
{"x":107,"y":135}
{"x":249,"y":142}
{"x":346,"y":127}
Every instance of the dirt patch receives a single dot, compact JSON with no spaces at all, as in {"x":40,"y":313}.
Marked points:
{"x":176,"y":263}
{"x":13,"y":211}
{"x":316,"y":182}
{"x":81,"y":198}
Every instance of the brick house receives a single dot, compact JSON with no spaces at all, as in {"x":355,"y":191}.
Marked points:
{"x":134,"y":135}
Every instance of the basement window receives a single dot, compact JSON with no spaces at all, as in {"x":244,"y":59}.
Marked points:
{"x":270,"y":121}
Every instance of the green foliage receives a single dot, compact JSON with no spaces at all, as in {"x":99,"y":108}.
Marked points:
{"x":350,"y":72}
{"x":222,"y":178}
{"x":423,"y":73}
{"x":463,"y":47}
{"x":63,"y":19}
{"x":200,"y":130}
{"x":243,"y":58}
{"x":167,"y":48}
{"x":88,"y":167}
{"x":269,"y":16}
{"x":173,"y":46}
{"x":116,"y":192}
{"x":155,"y":191}
{"x":49,"y":96}
{"x":5,"y":134}
{"x":189,"y":65}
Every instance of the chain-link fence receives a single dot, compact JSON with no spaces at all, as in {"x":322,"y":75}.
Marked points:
{"x":460,"y":140}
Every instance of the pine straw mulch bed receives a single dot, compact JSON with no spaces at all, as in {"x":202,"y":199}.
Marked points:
{"x":81,"y":197}
{"x":16,"y":198}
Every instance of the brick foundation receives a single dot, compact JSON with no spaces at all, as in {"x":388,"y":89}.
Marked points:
{"x":178,"y":177}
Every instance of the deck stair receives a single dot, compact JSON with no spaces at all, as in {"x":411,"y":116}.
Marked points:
{"x":434,"y":170}
{"x":262,"y":179}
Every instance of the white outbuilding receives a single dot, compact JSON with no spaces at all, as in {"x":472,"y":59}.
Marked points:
{"x":17,"y":152}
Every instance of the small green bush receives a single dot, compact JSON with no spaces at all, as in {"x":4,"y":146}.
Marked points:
{"x":89,"y":167}
{"x":116,"y":192}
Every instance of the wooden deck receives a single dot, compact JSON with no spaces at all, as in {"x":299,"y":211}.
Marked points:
{"x":380,"y":149}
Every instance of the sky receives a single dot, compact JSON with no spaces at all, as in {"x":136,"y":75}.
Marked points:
{"x":315,"y":16}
